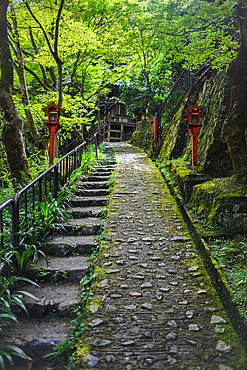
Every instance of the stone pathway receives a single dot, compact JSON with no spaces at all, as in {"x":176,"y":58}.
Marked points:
{"x":153,"y":304}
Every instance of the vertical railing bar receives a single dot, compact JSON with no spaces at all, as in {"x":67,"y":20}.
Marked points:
{"x":40,"y":190}
{"x":45,"y":190}
{"x":25,"y":204}
{"x":1,"y":229}
{"x":66,"y":168}
{"x":13,"y":219}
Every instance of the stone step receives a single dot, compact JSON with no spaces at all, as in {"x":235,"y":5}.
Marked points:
{"x":37,"y":338}
{"x":59,"y":269}
{"x":92,"y":192}
{"x":103,"y":169}
{"x":93,"y":184}
{"x":98,"y":178}
{"x":82,"y":212}
{"x":82,"y":226}
{"x":57,"y":245}
{"x":89,"y":201}
{"x":99,"y":173}
{"x":57,"y":299}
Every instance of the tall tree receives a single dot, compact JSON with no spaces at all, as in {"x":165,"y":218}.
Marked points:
{"x":12,"y":123}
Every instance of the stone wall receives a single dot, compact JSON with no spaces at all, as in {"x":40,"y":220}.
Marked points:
{"x":143,"y":135}
{"x":211,"y":92}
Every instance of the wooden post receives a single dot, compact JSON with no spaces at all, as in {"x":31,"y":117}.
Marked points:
{"x":156,"y":130}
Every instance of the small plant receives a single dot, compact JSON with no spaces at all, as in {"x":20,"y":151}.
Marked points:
{"x":22,"y":259}
{"x":102,"y":212}
{"x":10,"y":296}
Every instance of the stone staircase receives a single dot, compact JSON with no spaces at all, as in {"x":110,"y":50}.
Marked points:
{"x":68,"y":259}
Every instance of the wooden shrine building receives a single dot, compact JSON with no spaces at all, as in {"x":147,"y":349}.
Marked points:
{"x":116,"y":124}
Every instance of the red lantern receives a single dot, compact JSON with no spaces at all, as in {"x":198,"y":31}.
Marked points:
{"x":194,"y":115}
{"x":53,"y":112}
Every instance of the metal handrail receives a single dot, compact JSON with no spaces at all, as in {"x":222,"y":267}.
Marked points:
{"x":45,"y":183}
{"x":189,"y":85}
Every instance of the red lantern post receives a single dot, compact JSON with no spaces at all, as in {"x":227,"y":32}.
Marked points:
{"x":156,"y":127}
{"x":194,"y":115}
{"x":53,"y":112}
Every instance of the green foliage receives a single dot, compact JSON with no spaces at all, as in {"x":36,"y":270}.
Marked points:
{"x":22,"y":259}
{"x":10,"y":296}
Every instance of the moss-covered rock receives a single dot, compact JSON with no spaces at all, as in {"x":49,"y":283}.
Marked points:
{"x":143,"y":135}
{"x":223,"y":202}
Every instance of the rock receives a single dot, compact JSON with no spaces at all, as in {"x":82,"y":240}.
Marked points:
{"x":116,"y":296}
{"x":93,"y":308}
{"x":133,"y":258}
{"x":222,"y":346}
{"x":170,"y":311}
{"x":131,"y":240}
{"x":96,"y":322}
{"x":104,"y":283}
{"x":159,"y":297}
{"x":119,"y":319}
{"x":165,"y":290}
{"x":124,"y":286}
{"x":193,"y":327}
{"x":156,"y":258}
{"x":128,"y":343}
{"x":194,"y":268}
{"x":110,"y":358}
{"x":224,"y":367}
{"x":135,"y":294}
{"x":216,"y":319}
{"x":91,"y":360}
{"x":130,"y":307}
{"x":101,"y":343}
{"x":183,"y":302}
{"x":149,"y":239}
{"x":144,"y":265}
{"x":109,"y":263}
{"x":146,"y":285}
{"x":106,"y":255}
{"x":110,"y":308}
{"x":202,"y":291}
{"x":132,"y":250}
{"x":160,"y":277}
{"x":129,"y":367}
{"x":189,"y":314}
{"x":191,"y":342}
{"x":148,"y":361}
{"x":174,"y":349}
{"x":212,"y":309}
{"x":113,"y":271}
{"x":219,"y":330}
{"x":171,"y":335}
{"x":179,"y":238}
{"x":173,"y":282}
{"x":162,"y":264}
{"x":148,"y":334}
{"x":119,"y":262}
{"x":172,"y":323}
{"x":171,"y":360}
{"x":140,"y":277}
{"x":147,"y":306}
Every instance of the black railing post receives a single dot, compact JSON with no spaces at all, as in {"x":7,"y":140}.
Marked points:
{"x":55,"y":181}
{"x":96,"y":143}
{"x":13,"y":219}
{"x":17,"y":218}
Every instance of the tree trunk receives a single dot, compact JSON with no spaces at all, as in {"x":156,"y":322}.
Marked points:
{"x":41,"y":141}
{"x":12,"y":129}
{"x":235,"y":127}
